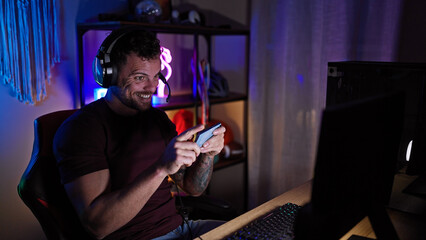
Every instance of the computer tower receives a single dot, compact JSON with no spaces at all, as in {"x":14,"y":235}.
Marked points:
{"x":352,"y":80}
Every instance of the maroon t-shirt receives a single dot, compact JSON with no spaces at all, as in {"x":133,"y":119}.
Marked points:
{"x":95,"y":138}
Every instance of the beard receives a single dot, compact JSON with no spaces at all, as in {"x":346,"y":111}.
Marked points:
{"x":133,"y":101}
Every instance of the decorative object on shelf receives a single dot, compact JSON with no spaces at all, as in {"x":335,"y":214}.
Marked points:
{"x":183,"y":120}
{"x":166,"y":59}
{"x":29,"y":47}
{"x":202,"y":85}
{"x":232,"y":150}
{"x":191,"y":17}
{"x":148,"y":11}
{"x":187,"y":14}
{"x":218,"y":85}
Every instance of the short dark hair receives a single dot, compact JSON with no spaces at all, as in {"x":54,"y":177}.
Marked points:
{"x":141,"y":42}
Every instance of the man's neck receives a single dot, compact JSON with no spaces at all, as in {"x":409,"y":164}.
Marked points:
{"x":117,"y":106}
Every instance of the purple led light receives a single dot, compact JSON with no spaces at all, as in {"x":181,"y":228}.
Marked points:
{"x":166,"y":58}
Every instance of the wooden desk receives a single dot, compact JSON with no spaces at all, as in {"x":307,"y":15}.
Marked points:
{"x":407,"y":225}
{"x":299,"y":195}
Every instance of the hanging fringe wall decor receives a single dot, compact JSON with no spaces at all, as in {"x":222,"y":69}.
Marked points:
{"x":29,"y":46}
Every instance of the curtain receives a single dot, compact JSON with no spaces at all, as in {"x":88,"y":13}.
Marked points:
{"x":291,"y":43}
{"x":28,"y":46}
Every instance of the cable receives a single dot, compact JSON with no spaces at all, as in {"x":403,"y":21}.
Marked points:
{"x":184,"y":212}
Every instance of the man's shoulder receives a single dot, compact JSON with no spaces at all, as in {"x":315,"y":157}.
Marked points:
{"x":96,"y":108}
{"x":93,"y":112}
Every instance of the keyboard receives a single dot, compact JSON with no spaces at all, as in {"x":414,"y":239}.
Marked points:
{"x":277,"y":224}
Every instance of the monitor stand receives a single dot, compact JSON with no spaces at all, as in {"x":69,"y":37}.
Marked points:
{"x":417,"y":187}
{"x":382,"y":224}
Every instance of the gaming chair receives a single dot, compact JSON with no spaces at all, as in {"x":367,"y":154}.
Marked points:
{"x":40,"y":187}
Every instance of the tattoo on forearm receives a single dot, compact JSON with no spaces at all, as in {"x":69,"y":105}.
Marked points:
{"x":201,"y":178}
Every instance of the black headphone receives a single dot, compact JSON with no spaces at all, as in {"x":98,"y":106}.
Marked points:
{"x":104,"y":69}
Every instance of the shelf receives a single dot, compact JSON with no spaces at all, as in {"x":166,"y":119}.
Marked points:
{"x":162,"y":28}
{"x":179,"y":101}
{"x":187,"y":100}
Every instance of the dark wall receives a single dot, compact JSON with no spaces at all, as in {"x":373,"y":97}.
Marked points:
{"x":412,"y":38}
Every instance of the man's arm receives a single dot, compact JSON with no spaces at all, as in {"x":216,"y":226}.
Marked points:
{"x":195,"y":179}
{"x":102,"y":211}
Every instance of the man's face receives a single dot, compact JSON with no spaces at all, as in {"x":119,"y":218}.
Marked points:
{"x":137,"y":81}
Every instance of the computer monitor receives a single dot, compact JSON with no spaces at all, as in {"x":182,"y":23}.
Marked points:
{"x":355,"y":166}
{"x":352,"y":80}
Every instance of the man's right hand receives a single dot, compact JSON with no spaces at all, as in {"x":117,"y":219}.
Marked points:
{"x":181,"y":151}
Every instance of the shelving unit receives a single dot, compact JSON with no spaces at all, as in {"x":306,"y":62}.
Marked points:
{"x":183,"y":100}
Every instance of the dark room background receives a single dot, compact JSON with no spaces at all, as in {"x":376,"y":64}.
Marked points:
{"x":291,"y":42}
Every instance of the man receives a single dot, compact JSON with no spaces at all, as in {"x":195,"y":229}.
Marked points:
{"x":115,"y":154}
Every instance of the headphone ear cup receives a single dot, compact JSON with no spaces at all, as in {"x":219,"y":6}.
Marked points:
{"x":98,"y":72}
{"x":113,"y":77}
{"x":103,"y":68}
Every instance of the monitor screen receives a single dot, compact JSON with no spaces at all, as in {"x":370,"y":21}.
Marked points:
{"x":355,"y":163}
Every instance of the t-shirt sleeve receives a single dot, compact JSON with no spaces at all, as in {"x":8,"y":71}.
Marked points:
{"x":79,"y":147}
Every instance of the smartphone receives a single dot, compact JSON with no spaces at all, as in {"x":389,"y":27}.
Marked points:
{"x":205,"y":135}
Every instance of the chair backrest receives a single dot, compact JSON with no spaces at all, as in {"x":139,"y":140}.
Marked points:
{"x":40,"y":187}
